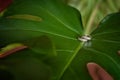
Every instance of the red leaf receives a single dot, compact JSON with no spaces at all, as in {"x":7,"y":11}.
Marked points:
{"x":4,"y":4}
{"x":7,"y":53}
{"x":97,"y":72}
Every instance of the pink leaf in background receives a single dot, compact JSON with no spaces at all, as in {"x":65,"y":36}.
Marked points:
{"x":97,"y":72}
{"x":4,"y":4}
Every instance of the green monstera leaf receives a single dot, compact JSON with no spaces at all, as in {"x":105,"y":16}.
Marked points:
{"x":103,"y":49}
{"x":68,"y":50}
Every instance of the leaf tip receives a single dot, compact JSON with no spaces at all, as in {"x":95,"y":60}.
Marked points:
{"x":10,"y":49}
{"x":97,"y":72}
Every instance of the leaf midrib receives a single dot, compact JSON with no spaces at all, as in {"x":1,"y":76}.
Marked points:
{"x":73,"y":51}
{"x":67,"y":37}
{"x":70,"y":60}
{"x":71,"y":57}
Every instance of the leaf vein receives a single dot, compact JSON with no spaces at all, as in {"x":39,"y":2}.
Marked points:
{"x":111,"y":41}
{"x":104,"y":33}
{"x":67,"y":26}
{"x":99,"y":52}
{"x":52,"y":33}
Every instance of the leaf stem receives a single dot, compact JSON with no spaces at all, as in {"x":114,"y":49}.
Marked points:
{"x":91,"y":19}
{"x":70,"y":60}
{"x":112,"y":5}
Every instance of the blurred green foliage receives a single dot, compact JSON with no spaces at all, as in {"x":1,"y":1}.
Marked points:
{"x":93,"y":11}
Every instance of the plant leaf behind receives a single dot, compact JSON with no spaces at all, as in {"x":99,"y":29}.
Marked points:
{"x":29,"y":64}
{"x":43,"y":46}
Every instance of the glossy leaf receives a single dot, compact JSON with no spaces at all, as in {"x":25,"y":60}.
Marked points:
{"x":103,"y":50}
{"x":55,"y":22}
{"x":26,"y":20}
